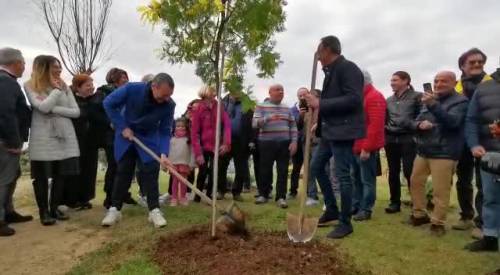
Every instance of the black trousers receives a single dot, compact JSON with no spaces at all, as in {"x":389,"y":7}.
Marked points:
{"x":297,"y":161}
{"x":466,"y":168}
{"x":239,"y":154}
{"x":41,"y":171}
{"x":148,"y":174}
{"x":205,"y":173}
{"x":81,"y":189}
{"x":398,"y":153}
{"x":256,"y":165}
{"x":270,"y":152}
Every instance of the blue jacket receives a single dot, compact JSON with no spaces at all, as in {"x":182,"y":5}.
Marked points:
{"x":133,"y":106}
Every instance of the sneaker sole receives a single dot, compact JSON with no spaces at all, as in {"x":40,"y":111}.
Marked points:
{"x":157,"y":225}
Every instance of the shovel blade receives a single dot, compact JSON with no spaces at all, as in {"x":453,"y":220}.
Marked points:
{"x":301,"y":229}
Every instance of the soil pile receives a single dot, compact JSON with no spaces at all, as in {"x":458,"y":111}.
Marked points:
{"x":194,"y":252}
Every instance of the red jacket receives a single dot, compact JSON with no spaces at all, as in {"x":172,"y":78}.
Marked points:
{"x":375,"y":108}
{"x":203,"y":126}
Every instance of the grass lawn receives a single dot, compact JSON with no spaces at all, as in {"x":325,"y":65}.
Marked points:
{"x":383,"y":245}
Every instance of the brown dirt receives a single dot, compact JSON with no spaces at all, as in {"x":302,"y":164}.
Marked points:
{"x":194,"y":252}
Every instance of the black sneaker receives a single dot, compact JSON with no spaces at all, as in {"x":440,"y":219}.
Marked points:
{"x":340,"y":232}
{"x":327,"y":219}
{"x":15,"y":217}
{"x":487,"y":243}
{"x":237,"y":198}
{"x":5,"y":230}
{"x":437,"y":230}
{"x":130,"y":200}
{"x":362,"y":216}
{"x":393,"y":209}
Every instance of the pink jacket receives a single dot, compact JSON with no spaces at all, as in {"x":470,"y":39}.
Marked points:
{"x":203,"y":126}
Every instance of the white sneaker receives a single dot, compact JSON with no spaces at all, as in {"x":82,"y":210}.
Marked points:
{"x":163,"y":199}
{"x":156,"y":217}
{"x":311,"y":202}
{"x":190,"y":196}
{"x":324,"y":207}
{"x":142,"y":201}
{"x":112,"y":217}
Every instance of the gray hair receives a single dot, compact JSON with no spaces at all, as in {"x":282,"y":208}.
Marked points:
{"x":163,"y":78}
{"x":9,"y":56}
{"x":147,"y":78}
{"x":367,"y":77}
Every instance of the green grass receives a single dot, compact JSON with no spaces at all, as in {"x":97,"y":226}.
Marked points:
{"x":383,"y":245}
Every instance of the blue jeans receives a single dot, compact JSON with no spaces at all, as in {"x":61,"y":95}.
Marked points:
{"x":320,"y":159}
{"x":312,"y":189}
{"x":364,"y":177}
{"x":344,"y":157}
{"x":491,"y":204}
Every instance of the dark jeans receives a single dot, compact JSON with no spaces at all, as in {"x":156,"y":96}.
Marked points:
{"x":468,"y":166}
{"x":312,"y":189}
{"x":239,"y":153}
{"x":297,"y":161}
{"x":344,"y":157}
{"x":148,"y":174}
{"x":273,"y":151}
{"x":364,"y":177}
{"x":320,"y":164}
{"x":9,"y":173}
{"x":397,"y":153}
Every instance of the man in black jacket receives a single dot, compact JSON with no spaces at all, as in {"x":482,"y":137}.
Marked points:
{"x":340,"y":122}
{"x":440,"y":140}
{"x":241,"y":134}
{"x":402,"y":109}
{"x":15,"y":116}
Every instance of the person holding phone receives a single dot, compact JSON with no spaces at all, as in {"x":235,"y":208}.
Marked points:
{"x":439,"y":144}
{"x":298,"y":110}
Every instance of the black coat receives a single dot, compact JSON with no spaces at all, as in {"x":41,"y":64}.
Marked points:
{"x":401,"y":113}
{"x":341,"y":113}
{"x":446,"y":139}
{"x":246,"y":134}
{"x":15,"y":115}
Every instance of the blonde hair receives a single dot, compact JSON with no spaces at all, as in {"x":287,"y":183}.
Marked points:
{"x":206,"y":91}
{"x":40,"y":80}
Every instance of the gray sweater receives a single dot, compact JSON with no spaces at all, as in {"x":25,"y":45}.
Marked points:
{"x":52,"y":135}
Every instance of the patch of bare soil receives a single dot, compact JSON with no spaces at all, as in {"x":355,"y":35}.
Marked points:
{"x":193,"y":251}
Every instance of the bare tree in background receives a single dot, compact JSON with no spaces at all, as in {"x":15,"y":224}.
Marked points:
{"x":79,"y":30}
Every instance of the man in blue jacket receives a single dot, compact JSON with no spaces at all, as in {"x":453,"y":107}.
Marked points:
{"x":145,"y":111}
{"x":340,"y":123}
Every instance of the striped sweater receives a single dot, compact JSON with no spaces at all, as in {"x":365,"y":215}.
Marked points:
{"x":274,"y":129}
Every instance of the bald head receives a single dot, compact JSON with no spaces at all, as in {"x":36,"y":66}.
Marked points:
{"x":276,"y":93}
{"x":444,"y":82}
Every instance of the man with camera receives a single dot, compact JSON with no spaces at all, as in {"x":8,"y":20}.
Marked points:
{"x":482,"y":131}
{"x":439,"y":140}
{"x":298,"y":110}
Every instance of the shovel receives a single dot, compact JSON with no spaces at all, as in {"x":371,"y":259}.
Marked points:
{"x":231,"y":220}
{"x":300,"y":228}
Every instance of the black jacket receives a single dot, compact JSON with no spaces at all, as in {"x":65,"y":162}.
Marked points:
{"x":15,"y":115}
{"x":246,"y":134}
{"x":401,"y":113}
{"x":446,"y":139}
{"x":341,"y":114}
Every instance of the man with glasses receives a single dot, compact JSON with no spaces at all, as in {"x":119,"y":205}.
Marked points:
{"x":471,"y":63}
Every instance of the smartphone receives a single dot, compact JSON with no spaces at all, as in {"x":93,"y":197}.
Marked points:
{"x":303,"y":104}
{"x":427,"y":87}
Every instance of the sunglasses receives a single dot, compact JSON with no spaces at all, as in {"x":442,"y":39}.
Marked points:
{"x":473,"y":62}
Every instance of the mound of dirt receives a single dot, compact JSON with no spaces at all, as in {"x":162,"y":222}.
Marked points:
{"x":194,"y":252}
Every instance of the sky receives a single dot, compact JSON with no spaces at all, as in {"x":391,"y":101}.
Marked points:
{"x":381,"y":36}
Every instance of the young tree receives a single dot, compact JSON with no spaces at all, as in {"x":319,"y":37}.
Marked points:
{"x":79,"y":30}
{"x":196,"y":31}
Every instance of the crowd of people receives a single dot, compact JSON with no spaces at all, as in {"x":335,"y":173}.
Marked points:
{"x":452,"y":127}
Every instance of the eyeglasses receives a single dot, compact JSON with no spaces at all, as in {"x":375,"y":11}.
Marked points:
{"x":473,"y":62}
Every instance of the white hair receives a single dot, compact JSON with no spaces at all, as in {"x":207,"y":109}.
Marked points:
{"x":367,"y":77}
{"x":10,"y":55}
{"x":147,"y":78}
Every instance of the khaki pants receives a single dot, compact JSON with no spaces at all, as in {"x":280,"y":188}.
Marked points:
{"x":441,"y":171}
